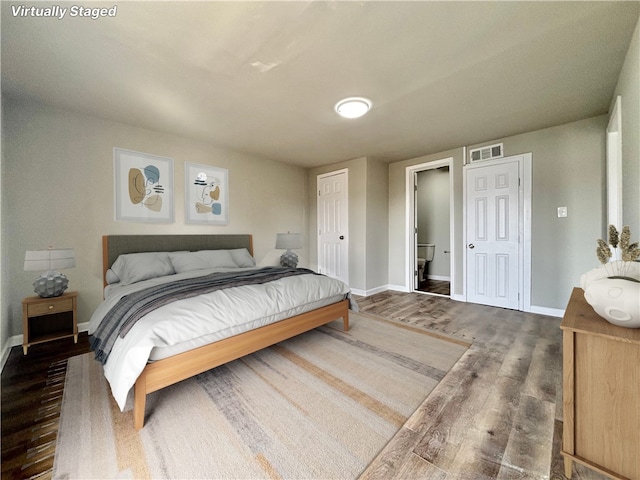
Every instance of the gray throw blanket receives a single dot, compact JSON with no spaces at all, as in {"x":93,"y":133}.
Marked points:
{"x":129,"y":309}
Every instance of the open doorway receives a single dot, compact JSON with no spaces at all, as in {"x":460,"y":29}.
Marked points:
{"x":431,"y":212}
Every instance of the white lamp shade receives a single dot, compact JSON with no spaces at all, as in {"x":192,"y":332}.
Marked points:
{"x":288,"y":241}
{"x":39,"y":260}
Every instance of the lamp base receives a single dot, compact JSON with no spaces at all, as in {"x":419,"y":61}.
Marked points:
{"x":289,"y":259}
{"x":50,"y":284}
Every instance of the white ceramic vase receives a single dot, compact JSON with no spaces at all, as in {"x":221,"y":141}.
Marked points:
{"x":615,"y":299}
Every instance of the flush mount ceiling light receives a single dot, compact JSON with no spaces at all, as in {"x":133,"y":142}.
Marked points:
{"x":353,"y":107}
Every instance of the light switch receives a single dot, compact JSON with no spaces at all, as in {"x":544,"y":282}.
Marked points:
{"x":562,"y":212}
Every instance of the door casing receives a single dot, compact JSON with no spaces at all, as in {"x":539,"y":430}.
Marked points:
{"x":342,"y":270}
{"x":412,"y":247}
{"x":524,"y":214}
{"x":614,"y":166}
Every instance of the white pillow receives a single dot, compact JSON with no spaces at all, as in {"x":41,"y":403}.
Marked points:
{"x":242,"y":257}
{"x":189,"y":261}
{"x":111,"y":277}
{"x":135,"y":267}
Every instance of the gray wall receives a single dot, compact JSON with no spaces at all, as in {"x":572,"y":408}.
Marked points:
{"x":397,"y":218}
{"x":357,"y":188}
{"x":377,"y":225}
{"x":368,"y":221}
{"x":568,"y":170}
{"x":57,"y":189}
{"x":57,"y":166}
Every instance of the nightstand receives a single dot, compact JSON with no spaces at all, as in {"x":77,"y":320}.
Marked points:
{"x":39,"y":313}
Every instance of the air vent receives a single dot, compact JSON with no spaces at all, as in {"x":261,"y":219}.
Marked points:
{"x":489,"y":152}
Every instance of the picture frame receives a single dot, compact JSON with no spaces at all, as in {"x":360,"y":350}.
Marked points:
{"x":143,"y":187}
{"x":206,"y":194}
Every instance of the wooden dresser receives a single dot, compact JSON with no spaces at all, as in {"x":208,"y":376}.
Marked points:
{"x":601,"y":392}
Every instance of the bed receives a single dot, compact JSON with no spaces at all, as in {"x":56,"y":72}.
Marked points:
{"x":148,"y":358}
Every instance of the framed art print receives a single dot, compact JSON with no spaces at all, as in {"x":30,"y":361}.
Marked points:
{"x":143,"y":187}
{"x":206,"y":194}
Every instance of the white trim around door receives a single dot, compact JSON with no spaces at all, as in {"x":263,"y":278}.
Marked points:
{"x":614,"y":166}
{"x":524,"y":229}
{"x":333,"y":224}
{"x":410,"y":209}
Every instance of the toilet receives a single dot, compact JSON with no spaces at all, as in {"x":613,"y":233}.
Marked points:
{"x":425,"y":254}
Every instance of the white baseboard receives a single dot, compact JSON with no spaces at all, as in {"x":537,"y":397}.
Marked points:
{"x":458,"y":298}
{"x":439,"y":277}
{"x":6,"y":348}
{"x":551,"y":312}
{"x":398,"y":288}
{"x":380,"y":289}
{"x":373,"y":291}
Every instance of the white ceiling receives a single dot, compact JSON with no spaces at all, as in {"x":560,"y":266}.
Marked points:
{"x":263,"y":77}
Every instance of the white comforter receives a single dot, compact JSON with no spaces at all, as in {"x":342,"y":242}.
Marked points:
{"x":186,"y":324}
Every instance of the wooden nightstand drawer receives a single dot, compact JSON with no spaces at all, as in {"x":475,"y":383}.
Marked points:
{"x":46,"y":308}
{"x":41,"y":320}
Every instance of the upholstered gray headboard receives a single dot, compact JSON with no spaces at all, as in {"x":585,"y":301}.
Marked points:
{"x":114,"y":245}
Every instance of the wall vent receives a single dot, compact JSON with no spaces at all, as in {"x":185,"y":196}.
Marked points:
{"x":489,"y":152}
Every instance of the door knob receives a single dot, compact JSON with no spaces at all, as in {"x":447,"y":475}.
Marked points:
{"x":471,"y":245}
{"x":341,"y":237}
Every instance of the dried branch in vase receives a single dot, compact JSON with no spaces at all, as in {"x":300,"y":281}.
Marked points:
{"x":617,"y":255}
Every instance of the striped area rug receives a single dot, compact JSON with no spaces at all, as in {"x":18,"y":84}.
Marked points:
{"x":320,"y":405}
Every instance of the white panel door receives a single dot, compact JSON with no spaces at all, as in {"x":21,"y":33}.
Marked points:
{"x":493,"y":234}
{"x":416,"y":280}
{"x":333,"y":211}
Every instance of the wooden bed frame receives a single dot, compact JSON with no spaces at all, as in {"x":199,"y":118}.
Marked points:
{"x":168,"y":371}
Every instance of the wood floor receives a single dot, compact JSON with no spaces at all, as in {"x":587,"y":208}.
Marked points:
{"x":441,"y":287}
{"x":31,"y":393}
{"x":496,"y":415}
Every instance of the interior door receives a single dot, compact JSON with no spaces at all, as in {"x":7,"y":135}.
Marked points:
{"x":416,"y":280}
{"x":492,"y":196}
{"x":333,"y":224}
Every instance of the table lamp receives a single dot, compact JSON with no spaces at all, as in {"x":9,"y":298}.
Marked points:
{"x":289,"y":241}
{"x":51,"y":283}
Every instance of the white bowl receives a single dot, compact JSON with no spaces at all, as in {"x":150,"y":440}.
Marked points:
{"x":617,"y":300}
